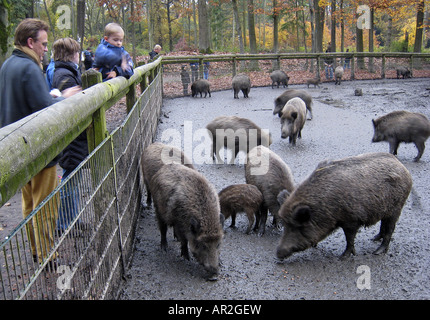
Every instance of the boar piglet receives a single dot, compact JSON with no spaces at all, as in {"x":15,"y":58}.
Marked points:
{"x":271,"y":175}
{"x":241,"y":198}
{"x":403,"y":72}
{"x":154,"y":157}
{"x":186,"y":201}
{"x":402,"y":126}
{"x":348,"y":193}
{"x":293,"y":119}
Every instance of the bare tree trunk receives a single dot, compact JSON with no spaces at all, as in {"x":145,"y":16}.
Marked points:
{"x":419,"y":30}
{"x":204,"y":44}
{"x":238,"y":27}
{"x":333,"y":26}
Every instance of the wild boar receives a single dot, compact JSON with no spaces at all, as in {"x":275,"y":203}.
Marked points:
{"x":154,"y":157}
{"x":403,"y":72}
{"x":293,"y":119}
{"x":227,"y":131}
{"x":402,"y":126}
{"x":186,"y":201}
{"x":338,"y":74}
{"x":279,"y":77}
{"x":271,"y":175}
{"x":348,"y":193}
{"x":241,"y":82}
{"x":200,"y":86}
{"x":241,"y":198}
{"x":316,"y":82}
{"x":289,"y":94}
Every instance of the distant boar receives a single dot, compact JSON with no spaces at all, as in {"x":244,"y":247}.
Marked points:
{"x":338,"y":74}
{"x":241,"y":82}
{"x":402,"y":126}
{"x":154,"y":157}
{"x":241,"y":132}
{"x":316,"y":82}
{"x":271,"y":175}
{"x":200,"y":86}
{"x":186,"y":201}
{"x":241,"y":198}
{"x":348,"y":193}
{"x":279,"y":77}
{"x":403,"y":72}
{"x":289,"y":94}
{"x":293,"y":119}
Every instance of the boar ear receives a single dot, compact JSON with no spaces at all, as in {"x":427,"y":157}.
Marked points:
{"x":282,"y":196}
{"x":374,"y":123}
{"x":195,"y":225}
{"x":302,"y":214}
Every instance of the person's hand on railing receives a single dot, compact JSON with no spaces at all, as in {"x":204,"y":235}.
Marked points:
{"x":71,"y":91}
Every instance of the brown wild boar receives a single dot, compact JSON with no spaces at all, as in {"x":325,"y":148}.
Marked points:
{"x":279,"y":77}
{"x":237,"y":134}
{"x":402,"y":126}
{"x":348,"y":193}
{"x":154,"y":157}
{"x":186,"y":201}
{"x":200,"y":86}
{"x":288,"y":95}
{"x":271,"y":175}
{"x":241,"y":82}
{"x":293,"y":119}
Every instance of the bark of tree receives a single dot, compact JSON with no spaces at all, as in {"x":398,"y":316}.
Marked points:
{"x":419,"y":28}
{"x":204,"y":44}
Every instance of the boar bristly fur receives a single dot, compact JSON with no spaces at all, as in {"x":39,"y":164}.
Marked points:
{"x":241,"y":198}
{"x":186,"y":201}
{"x":348,"y":193}
{"x":241,"y":82}
{"x":402,"y":126}
{"x":271,"y":181}
{"x":290,"y":94}
{"x":293,"y":119}
{"x":154,"y":157}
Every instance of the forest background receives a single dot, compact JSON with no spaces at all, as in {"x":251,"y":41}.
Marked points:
{"x":224,"y":26}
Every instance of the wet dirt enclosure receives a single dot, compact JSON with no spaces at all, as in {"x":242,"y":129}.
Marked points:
{"x":341,"y":127}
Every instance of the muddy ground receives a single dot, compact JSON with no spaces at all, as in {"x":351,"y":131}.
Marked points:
{"x":341,"y":127}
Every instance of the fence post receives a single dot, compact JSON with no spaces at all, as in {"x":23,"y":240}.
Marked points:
{"x":96,"y":132}
{"x":352,"y":68}
{"x":383,"y":67}
{"x":234,"y":65}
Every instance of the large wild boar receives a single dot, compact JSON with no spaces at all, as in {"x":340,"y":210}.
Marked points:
{"x":293,"y":119}
{"x":288,"y":95}
{"x":271,"y":175}
{"x":186,"y":201}
{"x":348,"y":193}
{"x":338,"y":74}
{"x":154,"y":157}
{"x":200,"y":86}
{"x":279,"y":77}
{"x":402,"y":126}
{"x":237,"y":134}
{"x":241,"y":82}
{"x":403,"y":72}
{"x":241,"y":198}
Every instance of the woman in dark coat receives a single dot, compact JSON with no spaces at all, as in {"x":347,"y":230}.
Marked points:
{"x":67,"y":75}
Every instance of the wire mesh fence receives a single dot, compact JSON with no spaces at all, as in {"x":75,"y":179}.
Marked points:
{"x":77,"y":243}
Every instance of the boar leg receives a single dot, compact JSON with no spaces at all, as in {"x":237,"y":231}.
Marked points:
{"x":420,"y":146}
{"x":263,"y":219}
{"x":350,"y":233}
{"x":385,"y":233}
{"x":184,"y":243}
{"x":163,"y":231}
{"x":233,"y":220}
{"x":394,"y":145}
{"x":251,"y":219}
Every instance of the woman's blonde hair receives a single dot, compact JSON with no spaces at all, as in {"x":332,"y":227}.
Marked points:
{"x":65,"y":49}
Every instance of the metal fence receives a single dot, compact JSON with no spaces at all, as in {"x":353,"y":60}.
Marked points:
{"x":88,"y":221}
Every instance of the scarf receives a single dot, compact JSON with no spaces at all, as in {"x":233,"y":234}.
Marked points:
{"x":33,"y":55}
